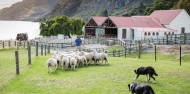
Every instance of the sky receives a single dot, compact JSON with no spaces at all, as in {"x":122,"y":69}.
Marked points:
{"x":7,"y":3}
{"x":9,"y":29}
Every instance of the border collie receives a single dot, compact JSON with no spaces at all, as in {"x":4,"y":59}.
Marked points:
{"x":140,"y":89}
{"x":148,"y":71}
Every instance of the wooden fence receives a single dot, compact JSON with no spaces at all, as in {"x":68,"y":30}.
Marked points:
{"x":5,"y":44}
{"x":170,"y":39}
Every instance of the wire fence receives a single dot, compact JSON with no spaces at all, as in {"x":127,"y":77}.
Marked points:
{"x":16,"y":60}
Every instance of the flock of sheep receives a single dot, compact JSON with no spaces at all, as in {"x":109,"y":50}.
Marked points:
{"x":71,"y":59}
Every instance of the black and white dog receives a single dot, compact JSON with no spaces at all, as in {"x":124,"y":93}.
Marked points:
{"x":148,"y":71}
{"x":140,"y":89}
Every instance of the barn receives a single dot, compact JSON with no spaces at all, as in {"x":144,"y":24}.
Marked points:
{"x":138,"y":27}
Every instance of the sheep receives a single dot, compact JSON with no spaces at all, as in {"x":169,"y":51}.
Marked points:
{"x":81,"y":60}
{"x":89,"y":56}
{"x":58,"y":58}
{"x":97,"y":57}
{"x":51,"y":64}
{"x":65,"y":63}
{"x":73,"y":63}
{"x":104,"y":56}
{"x":151,"y":45}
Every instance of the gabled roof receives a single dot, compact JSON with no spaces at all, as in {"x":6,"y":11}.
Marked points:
{"x":123,"y":21}
{"x":135,"y":21}
{"x":147,"y":21}
{"x":99,"y":20}
{"x":166,"y":16}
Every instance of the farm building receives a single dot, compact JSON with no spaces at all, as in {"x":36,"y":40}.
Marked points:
{"x":138,"y":27}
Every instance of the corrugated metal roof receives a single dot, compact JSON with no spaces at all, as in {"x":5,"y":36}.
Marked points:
{"x":166,"y":16}
{"x":99,"y":20}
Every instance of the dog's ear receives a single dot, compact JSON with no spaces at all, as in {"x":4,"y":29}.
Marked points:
{"x":129,"y":87}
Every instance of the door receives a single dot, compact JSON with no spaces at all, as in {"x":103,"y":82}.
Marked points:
{"x":124,"y":33}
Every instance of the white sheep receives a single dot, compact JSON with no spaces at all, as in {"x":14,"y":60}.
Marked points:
{"x":89,"y":56}
{"x":65,"y":63}
{"x":100,"y":56}
{"x":73,"y":63}
{"x":58,"y":58}
{"x":97,"y":57}
{"x":104,"y":56}
{"x":81,"y":60}
{"x":51,"y":64}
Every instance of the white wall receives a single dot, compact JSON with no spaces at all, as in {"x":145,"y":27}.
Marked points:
{"x":182,"y":20}
{"x":119,"y":33}
{"x":138,"y":35}
{"x":129,"y":33}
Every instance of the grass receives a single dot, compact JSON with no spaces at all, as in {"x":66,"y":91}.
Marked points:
{"x":116,"y":47}
{"x":8,"y":64}
{"x":103,"y":79}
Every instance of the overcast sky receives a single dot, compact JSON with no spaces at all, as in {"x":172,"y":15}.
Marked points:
{"x":7,"y":3}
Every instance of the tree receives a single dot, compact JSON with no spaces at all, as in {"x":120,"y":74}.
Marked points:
{"x":61,"y":25}
{"x":160,"y":5}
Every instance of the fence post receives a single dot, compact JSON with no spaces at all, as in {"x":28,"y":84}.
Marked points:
{"x":125,"y":52}
{"x":61,"y":45}
{"x":175,"y":38}
{"x":155,"y":52}
{"x":24,"y":44}
{"x":113,"y":53}
{"x":167,"y":39}
{"x":139,"y":55}
{"x":180,"y":55}
{"x":9,"y":44}
{"x":184,"y":38}
{"x":45,"y":49}
{"x":119,"y":53}
{"x":15,"y":43}
{"x":36,"y":48}
{"x":48,"y":49}
{"x":3,"y":44}
{"x":41,"y":49}
{"x":17,"y":63}
{"x":29,"y":54}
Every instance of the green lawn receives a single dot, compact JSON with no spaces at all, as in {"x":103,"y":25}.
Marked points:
{"x":103,"y":79}
{"x":8,"y":64}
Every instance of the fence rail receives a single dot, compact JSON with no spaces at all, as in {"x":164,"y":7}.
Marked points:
{"x":6,"y":44}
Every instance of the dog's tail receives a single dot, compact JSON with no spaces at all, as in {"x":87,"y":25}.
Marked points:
{"x":155,"y":73}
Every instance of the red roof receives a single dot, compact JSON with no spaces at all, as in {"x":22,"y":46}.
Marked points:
{"x":136,"y":21}
{"x":99,"y":20}
{"x":123,"y":21}
{"x":166,"y":16}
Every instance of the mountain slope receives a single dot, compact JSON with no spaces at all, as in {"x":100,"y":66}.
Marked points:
{"x":87,"y":8}
{"x":27,"y":10}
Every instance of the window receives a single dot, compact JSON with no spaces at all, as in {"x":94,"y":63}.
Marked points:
{"x":157,"y":33}
{"x":153,"y":33}
{"x":148,"y":33}
{"x":169,"y":33}
{"x":145,"y":34}
{"x":172,"y":33}
{"x":165,"y":33}
{"x":182,"y":30}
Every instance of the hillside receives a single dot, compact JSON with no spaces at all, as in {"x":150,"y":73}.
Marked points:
{"x":87,"y":8}
{"x":37,"y":10}
{"x":27,"y":10}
